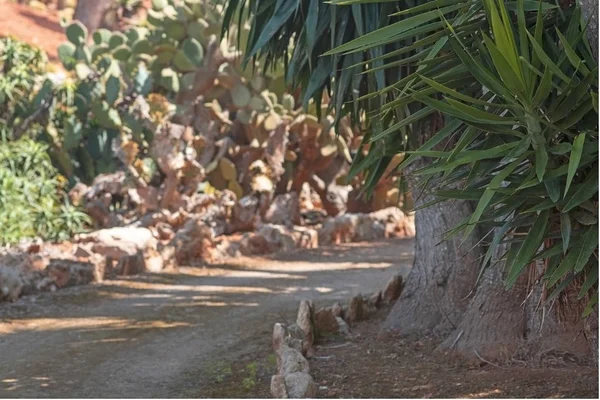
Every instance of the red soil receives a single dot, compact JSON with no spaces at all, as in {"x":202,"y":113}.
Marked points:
{"x":38,"y":28}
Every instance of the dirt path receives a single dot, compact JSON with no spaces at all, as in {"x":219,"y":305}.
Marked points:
{"x":178,"y":335}
{"x":38,"y":28}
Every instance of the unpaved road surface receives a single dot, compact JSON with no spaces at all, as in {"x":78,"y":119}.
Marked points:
{"x":161,"y":335}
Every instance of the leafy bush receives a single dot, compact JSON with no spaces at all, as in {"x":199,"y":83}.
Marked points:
{"x":21,"y":67}
{"x":32,"y":200}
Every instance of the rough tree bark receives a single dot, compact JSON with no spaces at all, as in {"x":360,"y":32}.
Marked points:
{"x":439,"y":286}
{"x":589,"y":10}
{"x":500,"y":322}
{"x":488,"y":321}
{"x":91,"y":12}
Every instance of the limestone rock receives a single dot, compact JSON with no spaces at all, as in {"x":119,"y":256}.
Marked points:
{"x":144,"y":198}
{"x":305,"y":320}
{"x":393,"y":289}
{"x":279,"y":335}
{"x":11,"y":284}
{"x":118,"y":242}
{"x":130,"y":264}
{"x":359,"y":309}
{"x":164,"y":231}
{"x":153,"y":261}
{"x":376,"y":299}
{"x":325,"y":321}
{"x":290,"y":361}
{"x":396,"y":223}
{"x":300,"y":385}
{"x":193,"y":242}
{"x":284,"y":210}
{"x":344,"y":329}
{"x":337,"y":310}
{"x":278,"y":389}
{"x":305,"y":238}
{"x":71,"y":273}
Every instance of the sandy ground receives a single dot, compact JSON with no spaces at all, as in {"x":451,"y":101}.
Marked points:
{"x":180,"y":334}
{"x":38,"y":28}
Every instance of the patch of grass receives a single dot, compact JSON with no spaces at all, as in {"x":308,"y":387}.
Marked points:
{"x":220,"y":371}
{"x":249,"y":382}
{"x":272,"y":360}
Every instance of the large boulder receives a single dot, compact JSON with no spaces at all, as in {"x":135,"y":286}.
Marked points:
{"x":118,"y":242}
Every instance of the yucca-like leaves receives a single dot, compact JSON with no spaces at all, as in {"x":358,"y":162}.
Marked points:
{"x":517,"y":84}
{"x":523,"y":106}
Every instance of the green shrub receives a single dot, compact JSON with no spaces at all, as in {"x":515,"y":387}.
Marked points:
{"x":21,"y":67}
{"x":32,"y":199}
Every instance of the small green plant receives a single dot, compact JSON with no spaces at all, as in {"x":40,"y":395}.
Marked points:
{"x":249,"y":382}
{"x":220,"y":371}
{"x":32,"y":200}
{"x":21,"y":67}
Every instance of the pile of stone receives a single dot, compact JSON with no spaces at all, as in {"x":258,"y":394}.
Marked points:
{"x":134,"y":234}
{"x":295,"y":344}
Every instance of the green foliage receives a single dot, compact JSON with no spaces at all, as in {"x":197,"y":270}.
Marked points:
{"x":20,"y":68}
{"x":32,"y":202}
{"x":516,"y":83}
{"x":526,"y":147}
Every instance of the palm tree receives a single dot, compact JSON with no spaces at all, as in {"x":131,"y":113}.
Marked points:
{"x":495,"y":102}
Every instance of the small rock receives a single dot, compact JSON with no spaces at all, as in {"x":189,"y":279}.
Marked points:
{"x":305,"y":321}
{"x":131,"y":264}
{"x":279,"y":335}
{"x":305,"y":237}
{"x":359,"y":310}
{"x":71,"y":273}
{"x":375,"y":300}
{"x":37,"y":262}
{"x":278,"y":389}
{"x":193,"y":243}
{"x":393,"y":289}
{"x":337,"y":310}
{"x":295,"y":336}
{"x":284,"y":336}
{"x":153,"y":261}
{"x":290,"y":361}
{"x":82,"y":252}
{"x":284,"y":210}
{"x":168,"y":255}
{"x":325,"y":321}
{"x":164,"y":231}
{"x":11,"y":284}
{"x":344,"y":329}
{"x":300,"y":385}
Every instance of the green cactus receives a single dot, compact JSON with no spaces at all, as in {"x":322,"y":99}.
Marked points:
{"x":169,"y":79}
{"x":193,"y":51}
{"x":122,"y":53}
{"x":101,"y":36}
{"x":117,"y":39}
{"x":159,"y":4}
{"x":66,"y":54}
{"x":76,"y":33}
{"x":142,"y":46}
